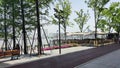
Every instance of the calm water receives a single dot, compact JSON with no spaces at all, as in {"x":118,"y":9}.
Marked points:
{"x":29,"y":42}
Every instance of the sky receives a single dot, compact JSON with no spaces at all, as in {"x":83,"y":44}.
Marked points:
{"x":76,"y":6}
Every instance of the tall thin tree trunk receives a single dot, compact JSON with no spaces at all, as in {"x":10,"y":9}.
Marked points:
{"x":5,"y":27}
{"x":23,"y":27}
{"x":109,"y":26}
{"x":65,"y":31}
{"x":95,"y":27}
{"x":118,"y":37}
{"x":14,"y":42}
{"x":38,"y":28}
{"x":59,"y":35}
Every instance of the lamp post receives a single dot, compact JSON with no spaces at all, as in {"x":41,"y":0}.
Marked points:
{"x":58,"y":16}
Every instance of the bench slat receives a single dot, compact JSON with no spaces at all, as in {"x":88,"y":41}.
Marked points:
{"x":9,"y":53}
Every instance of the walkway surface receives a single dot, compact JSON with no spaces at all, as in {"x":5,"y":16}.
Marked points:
{"x":72,"y":57}
{"x":111,"y":60}
{"x":6,"y":62}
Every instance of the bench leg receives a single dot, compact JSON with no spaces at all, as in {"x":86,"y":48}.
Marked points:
{"x":12,"y":57}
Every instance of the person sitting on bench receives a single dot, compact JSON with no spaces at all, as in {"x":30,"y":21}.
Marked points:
{"x":15,"y":52}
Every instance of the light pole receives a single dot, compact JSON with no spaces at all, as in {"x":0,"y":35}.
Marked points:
{"x":59,"y":17}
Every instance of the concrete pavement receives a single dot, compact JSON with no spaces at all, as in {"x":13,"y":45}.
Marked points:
{"x":70,"y":58}
{"x":6,"y":62}
{"x":110,"y":60}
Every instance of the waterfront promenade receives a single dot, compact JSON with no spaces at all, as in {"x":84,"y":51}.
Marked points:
{"x":70,"y":58}
{"x":6,"y":62}
{"x":110,"y":60}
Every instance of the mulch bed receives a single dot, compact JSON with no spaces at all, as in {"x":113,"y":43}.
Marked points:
{"x":69,"y":60}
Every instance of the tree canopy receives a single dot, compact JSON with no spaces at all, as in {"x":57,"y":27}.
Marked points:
{"x":81,"y":19}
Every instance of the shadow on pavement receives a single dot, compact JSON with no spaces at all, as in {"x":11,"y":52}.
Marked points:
{"x":69,"y":60}
{"x":4,"y":65}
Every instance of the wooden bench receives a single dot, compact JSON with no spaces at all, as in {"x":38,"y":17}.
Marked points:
{"x":10,"y":53}
{"x":15,"y":53}
{"x":1,"y":54}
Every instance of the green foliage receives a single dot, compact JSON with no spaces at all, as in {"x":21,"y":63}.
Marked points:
{"x":98,"y":4}
{"x":115,"y":17}
{"x":98,"y":7}
{"x":65,"y":6}
{"x":29,"y":11}
{"x":42,"y":3}
{"x":111,"y":15}
{"x":102,"y":24}
{"x":81,"y":19}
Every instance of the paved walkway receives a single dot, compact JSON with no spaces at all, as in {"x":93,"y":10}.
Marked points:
{"x":71,"y":58}
{"x":111,"y":60}
{"x":6,"y":62}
